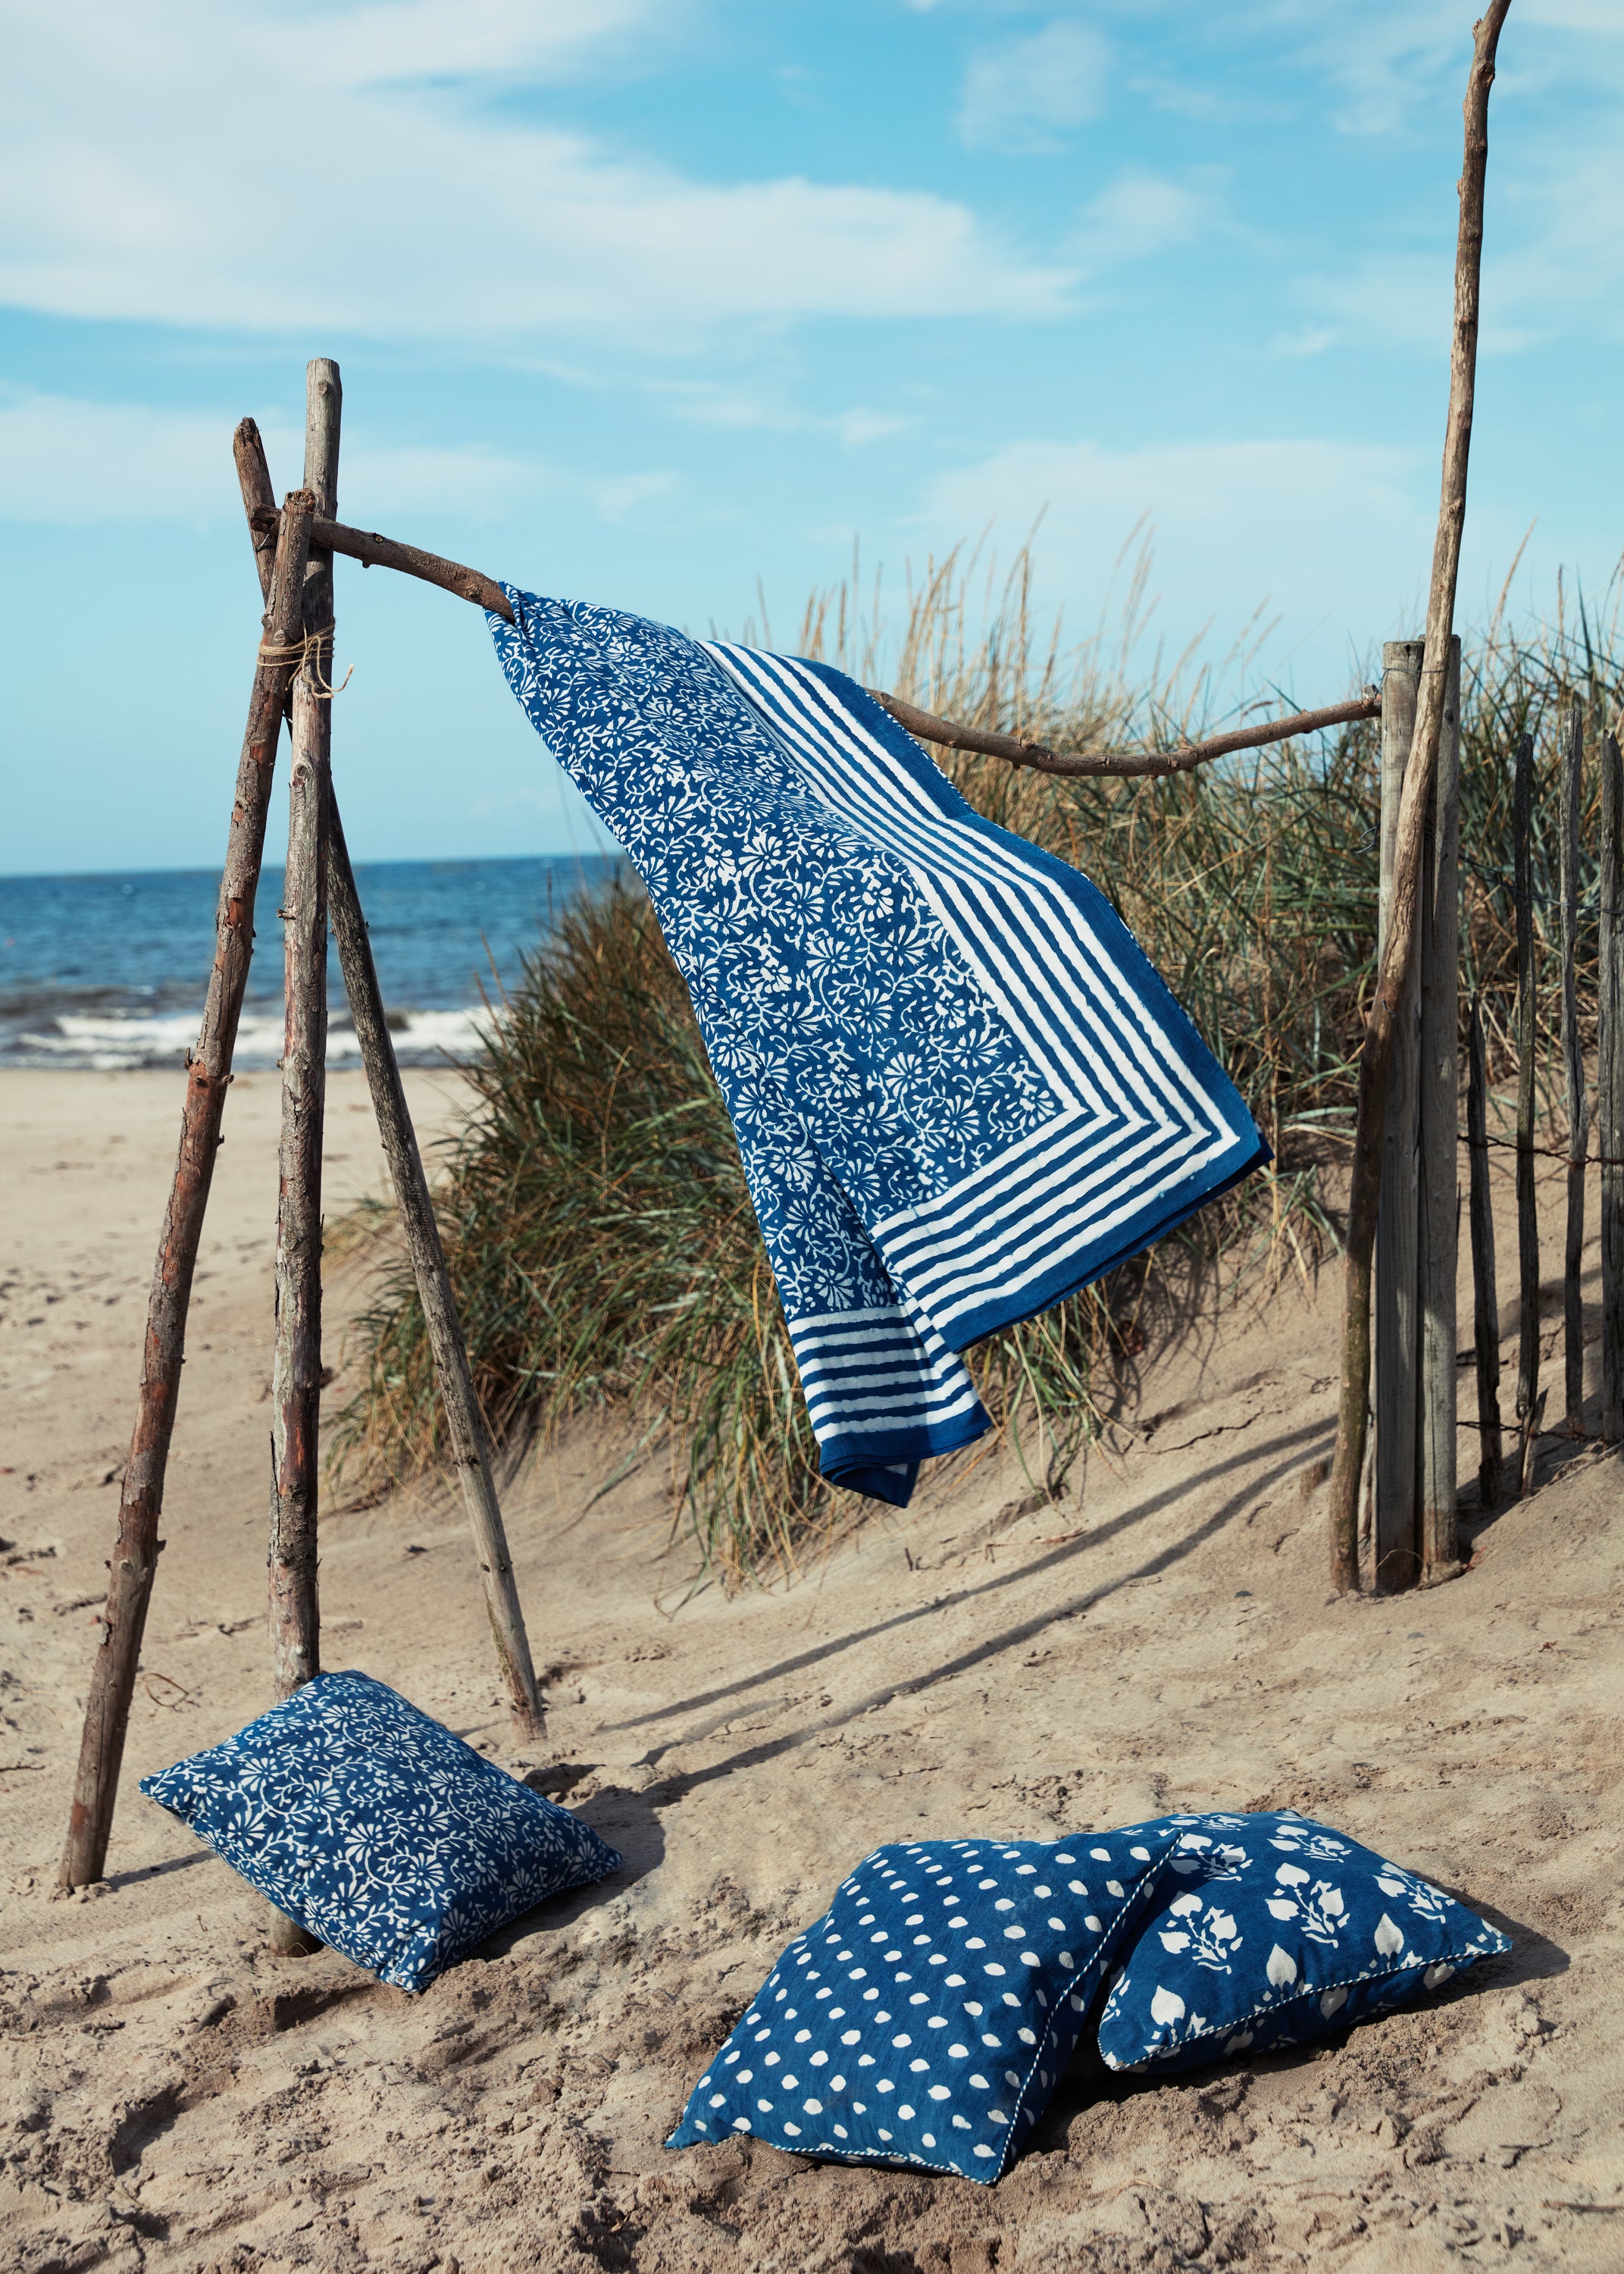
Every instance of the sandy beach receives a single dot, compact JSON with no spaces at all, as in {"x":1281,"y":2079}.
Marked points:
{"x":174,"y":2096}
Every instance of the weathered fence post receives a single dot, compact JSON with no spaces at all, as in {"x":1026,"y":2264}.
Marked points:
{"x":1573,"y":1066}
{"x":1486,"y":1300}
{"x":1417,"y":1226}
{"x":1398,"y":955}
{"x":1438,"y":1116}
{"x":1398,"y":1222}
{"x":1527,"y":1219}
{"x":1610,"y":1090}
{"x":468,"y":1448}
{"x":208,"y":1075}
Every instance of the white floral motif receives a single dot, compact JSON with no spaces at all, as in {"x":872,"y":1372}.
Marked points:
{"x":1207,"y":1931}
{"x":1319,"y":1912}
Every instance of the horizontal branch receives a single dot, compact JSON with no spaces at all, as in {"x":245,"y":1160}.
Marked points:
{"x":948,"y":736}
{"x":375,"y":552}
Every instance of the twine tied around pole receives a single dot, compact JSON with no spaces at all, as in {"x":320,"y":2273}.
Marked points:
{"x":306,"y":655}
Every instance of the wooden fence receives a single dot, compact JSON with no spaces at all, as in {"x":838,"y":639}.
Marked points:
{"x":1408,"y":1512}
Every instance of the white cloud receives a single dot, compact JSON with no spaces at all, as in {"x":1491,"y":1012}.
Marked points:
{"x":769,"y":408}
{"x":1330,"y":537}
{"x":1139,"y":214}
{"x":200,"y":166}
{"x":74,"y":462}
{"x":1030,"y":93}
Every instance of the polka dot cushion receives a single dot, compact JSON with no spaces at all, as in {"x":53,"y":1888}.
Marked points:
{"x":1270,"y":1931}
{"x":377,"y":1828}
{"x":927,"y":2017}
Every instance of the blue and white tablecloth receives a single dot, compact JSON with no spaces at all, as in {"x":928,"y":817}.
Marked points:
{"x":960,"y":1091}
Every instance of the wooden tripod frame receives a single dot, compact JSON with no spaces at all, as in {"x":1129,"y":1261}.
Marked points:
{"x":292,"y":676}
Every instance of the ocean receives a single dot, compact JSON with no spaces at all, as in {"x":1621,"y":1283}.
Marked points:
{"x":111,"y":971}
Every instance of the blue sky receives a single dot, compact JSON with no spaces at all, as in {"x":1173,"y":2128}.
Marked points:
{"x":642,"y":301}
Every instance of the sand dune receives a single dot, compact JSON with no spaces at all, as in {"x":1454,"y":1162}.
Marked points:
{"x":176,"y":2097}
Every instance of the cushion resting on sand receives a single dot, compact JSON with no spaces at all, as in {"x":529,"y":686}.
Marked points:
{"x":1268,"y":1930}
{"x":377,"y":1829}
{"x":927,"y":2017}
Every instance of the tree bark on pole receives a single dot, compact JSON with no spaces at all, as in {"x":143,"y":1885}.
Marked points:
{"x":208,"y":1074}
{"x":1375,"y":1059}
{"x":295,"y":1379}
{"x":468,"y":1448}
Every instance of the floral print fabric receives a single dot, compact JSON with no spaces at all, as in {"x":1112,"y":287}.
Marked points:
{"x":377,"y":1829}
{"x":959,"y":1090}
{"x":1268,"y":1930}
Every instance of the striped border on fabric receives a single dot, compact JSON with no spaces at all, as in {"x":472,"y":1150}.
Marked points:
{"x":1150,"y":1127}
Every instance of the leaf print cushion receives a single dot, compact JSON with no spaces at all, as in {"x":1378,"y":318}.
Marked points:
{"x":929,"y":2015}
{"x":377,"y":1828}
{"x":1268,"y":1930}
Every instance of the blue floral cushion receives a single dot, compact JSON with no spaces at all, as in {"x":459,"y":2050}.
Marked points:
{"x":929,"y":2015}
{"x":377,"y":1829}
{"x":1268,"y":1930}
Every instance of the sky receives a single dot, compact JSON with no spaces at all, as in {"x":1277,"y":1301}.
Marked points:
{"x":671,"y":303}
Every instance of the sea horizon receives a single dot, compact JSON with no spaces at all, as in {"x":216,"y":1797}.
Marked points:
{"x":107,"y":970}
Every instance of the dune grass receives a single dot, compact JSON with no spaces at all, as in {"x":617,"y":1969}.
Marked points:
{"x":597,"y":1223}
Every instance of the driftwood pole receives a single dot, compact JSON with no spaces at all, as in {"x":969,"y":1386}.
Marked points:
{"x":1610,"y":1090}
{"x":1486,"y":1299}
{"x":208,"y":1074}
{"x":468,"y":1449}
{"x":1439,"y":1117}
{"x":1573,"y":1063}
{"x":1386,"y":1007}
{"x":1528,"y":1217}
{"x":1395,"y":1529}
{"x":295,"y":1379}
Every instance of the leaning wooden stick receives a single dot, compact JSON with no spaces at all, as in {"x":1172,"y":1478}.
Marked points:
{"x":375,"y":552}
{"x":208,"y":1073}
{"x":1486,"y":1299}
{"x":1376,"y":1056}
{"x":296,"y":1379}
{"x":1573,"y":1066}
{"x":468,"y":1448}
{"x":1610,"y":1090}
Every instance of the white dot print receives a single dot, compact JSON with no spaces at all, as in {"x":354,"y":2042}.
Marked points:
{"x":1015,"y":1923}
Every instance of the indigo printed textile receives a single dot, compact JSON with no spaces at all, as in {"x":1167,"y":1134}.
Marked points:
{"x":377,"y":1829}
{"x":1270,"y":1931}
{"x":960,"y":1091}
{"x":929,"y":2017}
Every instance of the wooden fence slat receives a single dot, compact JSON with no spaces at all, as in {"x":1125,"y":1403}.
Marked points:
{"x":1528,"y":1220}
{"x":1486,"y":1301}
{"x":1610,"y":1090}
{"x":1572,"y":1065}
